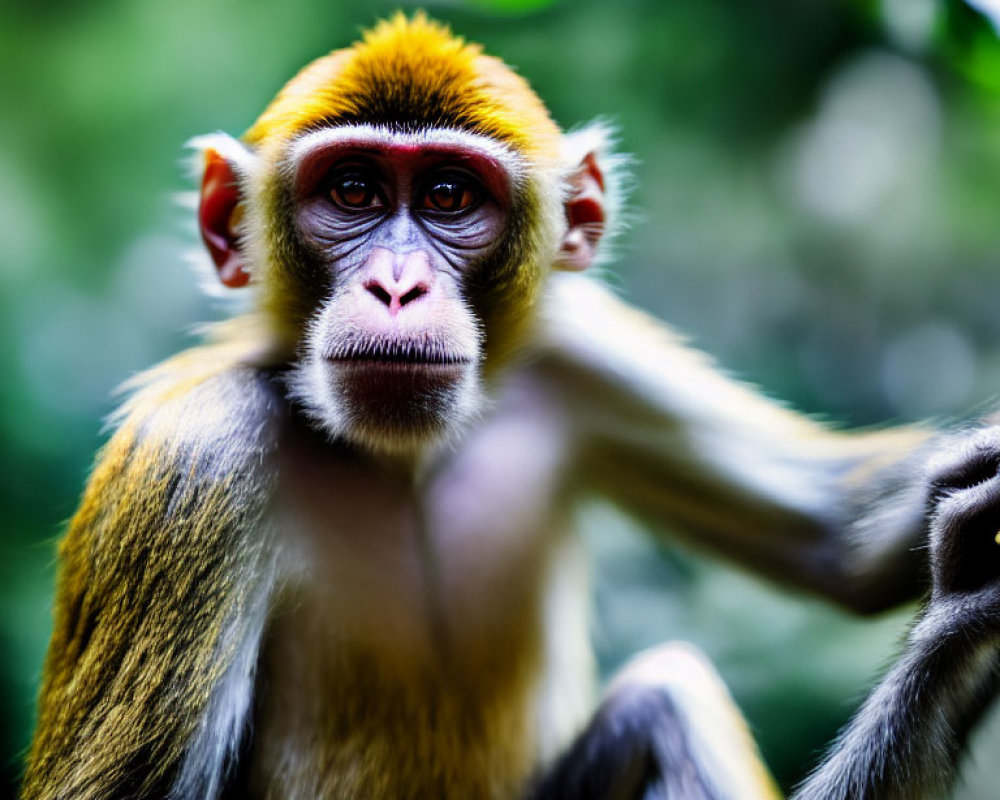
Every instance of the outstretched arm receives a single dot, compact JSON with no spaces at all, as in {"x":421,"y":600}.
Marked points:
{"x":905,"y":742}
{"x":666,"y":435}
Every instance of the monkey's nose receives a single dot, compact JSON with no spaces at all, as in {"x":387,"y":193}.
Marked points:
{"x":395,"y":295}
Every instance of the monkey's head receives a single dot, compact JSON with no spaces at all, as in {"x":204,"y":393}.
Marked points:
{"x":396,"y":209}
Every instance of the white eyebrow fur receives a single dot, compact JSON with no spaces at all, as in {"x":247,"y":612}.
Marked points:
{"x":377,"y":135}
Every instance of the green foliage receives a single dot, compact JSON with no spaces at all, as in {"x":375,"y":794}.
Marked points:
{"x":511,"y":6}
{"x":969,"y":41}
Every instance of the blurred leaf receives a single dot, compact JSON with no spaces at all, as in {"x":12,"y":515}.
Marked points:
{"x":512,"y":6}
{"x":969,"y":41}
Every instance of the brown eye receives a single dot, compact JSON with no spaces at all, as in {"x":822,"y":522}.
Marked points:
{"x":450,"y":195}
{"x":355,"y":192}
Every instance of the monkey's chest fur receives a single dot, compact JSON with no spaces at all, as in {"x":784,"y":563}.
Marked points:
{"x":407,"y":657}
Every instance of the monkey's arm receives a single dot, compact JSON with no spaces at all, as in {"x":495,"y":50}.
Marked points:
{"x":906,"y":740}
{"x":669,"y":437}
{"x":162,"y":580}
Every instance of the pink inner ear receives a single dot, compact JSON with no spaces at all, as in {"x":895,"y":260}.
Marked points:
{"x":586,"y":206}
{"x":585,"y":217}
{"x":584,"y":210}
{"x":219,"y":197}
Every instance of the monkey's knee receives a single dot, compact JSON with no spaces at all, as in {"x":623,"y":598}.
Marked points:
{"x":667,"y":729}
{"x":713,"y":732}
{"x":674,"y":666}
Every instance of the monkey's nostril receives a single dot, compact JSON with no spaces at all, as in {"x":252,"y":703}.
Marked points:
{"x":391,"y":297}
{"x":380,"y":292}
{"x":416,"y":292}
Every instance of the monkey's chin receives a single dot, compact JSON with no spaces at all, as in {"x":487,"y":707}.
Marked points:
{"x":393,"y":408}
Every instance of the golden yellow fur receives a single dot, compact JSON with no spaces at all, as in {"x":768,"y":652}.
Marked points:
{"x":392,"y":732}
{"x":411,"y":73}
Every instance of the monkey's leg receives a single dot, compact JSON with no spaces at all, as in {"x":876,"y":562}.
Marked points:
{"x":666,"y":730}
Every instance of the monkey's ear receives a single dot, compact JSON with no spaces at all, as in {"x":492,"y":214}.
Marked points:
{"x":220,"y":209}
{"x":585,"y":214}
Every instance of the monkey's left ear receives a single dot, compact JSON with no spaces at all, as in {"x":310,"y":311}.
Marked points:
{"x":220,"y":209}
{"x":585,"y":214}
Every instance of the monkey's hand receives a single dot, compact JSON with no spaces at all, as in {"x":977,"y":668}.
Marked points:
{"x":964,"y":532}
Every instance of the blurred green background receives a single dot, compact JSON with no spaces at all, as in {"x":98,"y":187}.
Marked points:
{"x":817,"y":187}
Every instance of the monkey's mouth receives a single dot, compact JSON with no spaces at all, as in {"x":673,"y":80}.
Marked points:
{"x":398,"y":355}
{"x":399,"y":387}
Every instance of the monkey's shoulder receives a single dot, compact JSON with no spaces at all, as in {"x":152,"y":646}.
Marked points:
{"x":204,"y":401}
{"x":200,"y":427}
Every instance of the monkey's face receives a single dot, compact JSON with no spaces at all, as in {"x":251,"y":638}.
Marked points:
{"x":403,"y":226}
{"x":397,"y":208}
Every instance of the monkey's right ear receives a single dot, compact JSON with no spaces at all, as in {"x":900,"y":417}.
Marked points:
{"x":220,"y":209}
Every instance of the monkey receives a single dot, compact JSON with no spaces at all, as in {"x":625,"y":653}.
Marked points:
{"x":329,"y":552}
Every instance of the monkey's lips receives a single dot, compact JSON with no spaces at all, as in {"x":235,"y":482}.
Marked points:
{"x":398,"y":374}
{"x":401,"y":363}
{"x":396,"y":353}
